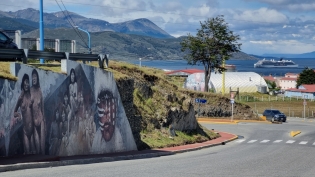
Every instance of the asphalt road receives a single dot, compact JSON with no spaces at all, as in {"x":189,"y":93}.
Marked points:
{"x":261,"y":150}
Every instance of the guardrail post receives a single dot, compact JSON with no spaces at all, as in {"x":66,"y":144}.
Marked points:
{"x":25,"y":56}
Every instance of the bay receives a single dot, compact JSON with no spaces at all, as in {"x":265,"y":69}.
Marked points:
{"x":241,"y":66}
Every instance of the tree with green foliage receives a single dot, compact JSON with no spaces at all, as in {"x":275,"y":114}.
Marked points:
{"x":213,"y":44}
{"x":307,"y":76}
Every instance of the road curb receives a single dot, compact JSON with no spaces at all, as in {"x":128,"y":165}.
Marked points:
{"x":208,"y":145}
{"x":32,"y":165}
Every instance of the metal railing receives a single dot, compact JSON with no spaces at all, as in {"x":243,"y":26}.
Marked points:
{"x":24,"y":54}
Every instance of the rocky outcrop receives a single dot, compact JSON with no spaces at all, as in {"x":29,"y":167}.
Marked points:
{"x":152,"y":104}
{"x":181,"y":120}
{"x":223,"y":108}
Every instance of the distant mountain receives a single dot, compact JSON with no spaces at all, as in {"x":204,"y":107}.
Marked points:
{"x":30,"y":18}
{"x":243,"y":56}
{"x":118,"y":45}
{"x":125,"y":46}
{"x":9,"y":24}
{"x":303,"y":55}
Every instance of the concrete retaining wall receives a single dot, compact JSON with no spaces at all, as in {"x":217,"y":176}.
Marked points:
{"x":64,"y":114}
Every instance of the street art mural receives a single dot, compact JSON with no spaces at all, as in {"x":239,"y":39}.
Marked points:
{"x":57,"y":114}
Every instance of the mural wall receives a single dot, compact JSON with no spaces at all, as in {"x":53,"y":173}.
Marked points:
{"x":56,"y":114}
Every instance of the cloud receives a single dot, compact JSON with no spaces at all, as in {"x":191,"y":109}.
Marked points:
{"x":290,"y":5}
{"x":262,"y":16}
{"x":279,"y":46}
{"x":258,"y":22}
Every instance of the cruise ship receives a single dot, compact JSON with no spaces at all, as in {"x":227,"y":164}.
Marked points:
{"x":275,"y":64}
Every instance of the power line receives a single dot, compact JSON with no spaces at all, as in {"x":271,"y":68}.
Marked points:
{"x":79,"y":34}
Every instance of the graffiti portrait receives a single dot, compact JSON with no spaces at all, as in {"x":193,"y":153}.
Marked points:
{"x":38,"y":113}
{"x":54,"y":134}
{"x":24,"y":104}
{"x":50,"y":113}
{"x":107,"y":136}
{"x":107,"y":111}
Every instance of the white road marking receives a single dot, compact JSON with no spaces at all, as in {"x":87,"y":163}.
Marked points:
{"x":277,"y":141}
{"x":303,"y":142}
{"x":252,"y":141}
{"x":240,"y":141}
{"x":290,"y":141}
{"x":313,"y":143}
{"x":264,"y":141}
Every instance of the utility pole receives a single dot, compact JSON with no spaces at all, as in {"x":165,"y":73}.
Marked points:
{"x":41,"y":29}
{"x":223,"y":76}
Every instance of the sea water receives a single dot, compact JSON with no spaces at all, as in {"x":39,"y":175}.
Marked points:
{"x":241,"y":66}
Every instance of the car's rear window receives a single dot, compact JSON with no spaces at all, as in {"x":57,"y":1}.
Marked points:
{"x":276,"y":112}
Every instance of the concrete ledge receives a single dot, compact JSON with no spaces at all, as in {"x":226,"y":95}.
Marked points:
{"x":294,"y":133}
{"x":229,"y":121}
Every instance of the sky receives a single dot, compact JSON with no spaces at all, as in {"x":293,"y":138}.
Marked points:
{"x":264,"y":26}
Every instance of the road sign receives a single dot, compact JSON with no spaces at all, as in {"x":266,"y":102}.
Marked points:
{"x":232,"y":101}
{"x":304,"y":103}
{"x":199,"y":100}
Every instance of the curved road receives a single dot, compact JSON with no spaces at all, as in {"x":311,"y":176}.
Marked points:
{"x":261,"y":150}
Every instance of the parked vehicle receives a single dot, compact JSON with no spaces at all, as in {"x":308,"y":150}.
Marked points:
{"x":274,"y":115}
{"x":6,"y":42}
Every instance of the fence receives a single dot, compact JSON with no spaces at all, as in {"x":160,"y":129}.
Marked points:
{"x":24,"y":54}
{"x":270,"y":98}
{"x":56,"y":45}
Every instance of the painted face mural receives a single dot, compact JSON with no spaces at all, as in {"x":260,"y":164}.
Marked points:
{"x":34,"y":79}
{"x":107,"y":111}
{"x":26,"y":85}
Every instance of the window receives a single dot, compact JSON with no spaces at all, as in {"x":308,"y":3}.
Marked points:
{"x":3,"y":37}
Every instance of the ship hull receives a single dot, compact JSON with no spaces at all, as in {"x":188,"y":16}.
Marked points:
{"x":273,"y":66}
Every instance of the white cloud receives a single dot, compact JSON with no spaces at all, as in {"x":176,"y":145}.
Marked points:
{"x":262,"y":42}
{"x":289,"y":5}
{"x":262,"y":26}
{"x":264,"y":16}
{"x":279,"y":46}
{"x":296,"y":35}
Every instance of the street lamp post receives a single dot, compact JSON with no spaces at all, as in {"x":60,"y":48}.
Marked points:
{"x":90,"y":52}
{"x":41,"y":29}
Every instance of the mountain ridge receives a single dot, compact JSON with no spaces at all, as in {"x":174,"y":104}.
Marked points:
{"x":126,"y":46}
{"x":302,"y":55}
{"x":61,"y":19}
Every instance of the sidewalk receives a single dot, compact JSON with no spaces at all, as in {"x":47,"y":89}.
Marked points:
{"x":40,"y":161}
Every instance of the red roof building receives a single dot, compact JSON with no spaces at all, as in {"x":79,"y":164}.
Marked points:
{"x":184,"y":72}
{"x":270,"y":78}
{"x":306,"y":88}
{"x":305,"y":91}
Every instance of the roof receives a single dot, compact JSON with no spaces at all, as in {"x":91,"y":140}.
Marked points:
{"x":291,"y":74}
{"x":288,"y":78}
{"x":269,"y":78}
{"x":184,"y":72}
{"x":244,"y":81}
{"x":309,"y":88}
